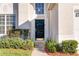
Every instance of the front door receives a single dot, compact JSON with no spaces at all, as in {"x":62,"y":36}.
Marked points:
{"x":39,"y":28}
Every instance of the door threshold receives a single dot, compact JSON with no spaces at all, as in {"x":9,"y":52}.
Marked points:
{"x":39,"y":39}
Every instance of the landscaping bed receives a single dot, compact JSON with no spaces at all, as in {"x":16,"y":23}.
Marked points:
{"x":15,"y":52}
{"x":60,"y":53}
{"x":65,"y":48}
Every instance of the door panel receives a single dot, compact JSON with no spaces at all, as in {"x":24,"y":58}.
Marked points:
{"x":39,"y":28}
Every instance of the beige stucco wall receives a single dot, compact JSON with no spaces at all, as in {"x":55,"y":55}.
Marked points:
{"x":68,"y":23}
{"x":76,"y":22}
{"x":65,"y":21}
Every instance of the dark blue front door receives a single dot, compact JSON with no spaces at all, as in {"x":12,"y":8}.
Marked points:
{"x":39,"y":28}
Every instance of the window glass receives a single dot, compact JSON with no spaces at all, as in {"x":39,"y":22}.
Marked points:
{"x":39,"y":8}
{"x":2,"y":24}
{"x":77,"y":15}
{"x":2,"y":29}
{"x":10,"y":22}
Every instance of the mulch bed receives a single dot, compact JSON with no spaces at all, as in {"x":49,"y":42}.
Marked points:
{"x":60,"y":53}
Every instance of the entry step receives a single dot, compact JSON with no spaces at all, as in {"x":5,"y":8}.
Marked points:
{"x":39,"y":39}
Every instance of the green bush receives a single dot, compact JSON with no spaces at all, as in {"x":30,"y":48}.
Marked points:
{"x":14,"y":33}
{"x":4,"y":43}
{"x":69,"y":46}
{"x":10,"y":42}
{"x":59,"y":47}
{"x":28,"y":44}
{"x":51,"y":45}
{"x":17,"y":43}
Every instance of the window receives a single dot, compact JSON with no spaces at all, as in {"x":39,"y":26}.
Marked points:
{"x":39,"y":7}
{"x":2,"y":29}
{"x":10,"y":22}
{"x":77,"y":15}
{"x":76,"y":11}
{"x":2,"y":24}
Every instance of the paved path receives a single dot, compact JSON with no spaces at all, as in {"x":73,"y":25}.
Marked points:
{"x":39,"y":49}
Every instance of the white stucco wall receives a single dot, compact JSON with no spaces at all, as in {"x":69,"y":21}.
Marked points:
{"x":23,"y":16}
{"x":6,"y":8}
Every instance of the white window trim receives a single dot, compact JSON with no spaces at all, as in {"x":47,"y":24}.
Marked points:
{"x":5,"y":24}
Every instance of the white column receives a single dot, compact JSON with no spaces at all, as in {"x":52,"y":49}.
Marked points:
{"x":33,"y":29}
{"x":46,"y":23}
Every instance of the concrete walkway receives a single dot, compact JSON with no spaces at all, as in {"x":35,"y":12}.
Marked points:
{"x":39,"y":49}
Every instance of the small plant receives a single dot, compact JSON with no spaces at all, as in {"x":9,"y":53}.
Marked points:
{"x":51,"y":45}
{"x":69,"y":46}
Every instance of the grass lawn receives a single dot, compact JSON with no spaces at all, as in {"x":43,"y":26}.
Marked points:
{"x":15,"y":52}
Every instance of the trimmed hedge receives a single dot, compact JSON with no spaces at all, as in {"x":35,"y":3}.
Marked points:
{"x":16,"y":43}
{"x":69,"y":46}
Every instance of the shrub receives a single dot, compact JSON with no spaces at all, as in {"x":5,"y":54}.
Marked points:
{"x":14,"y":33}
{"x":15,"y":42}
{"x":10,"y":42}
{"x":59,"y":47}
{"x":25,"y":33}
{"x":28,"y":44}
{"x":51,"y":45}
{"x":69,"y":46}
{"x":4,"y":43}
